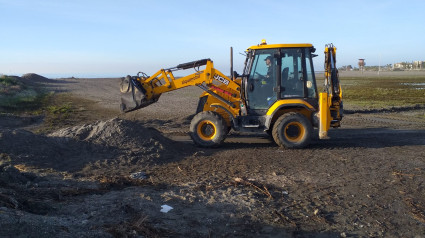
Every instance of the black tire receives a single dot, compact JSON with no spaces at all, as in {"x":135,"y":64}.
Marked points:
{"x":208,"y":129}
{"x":292,"y":130}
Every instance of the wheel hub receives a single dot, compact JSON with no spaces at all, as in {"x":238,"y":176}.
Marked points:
{"x":294,"y":131}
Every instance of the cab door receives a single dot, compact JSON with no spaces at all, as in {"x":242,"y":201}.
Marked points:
{"x":261,"y":80}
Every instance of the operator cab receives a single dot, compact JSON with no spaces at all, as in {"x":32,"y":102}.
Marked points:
{"x":278,"y":72}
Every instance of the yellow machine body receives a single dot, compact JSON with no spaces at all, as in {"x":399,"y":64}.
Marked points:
{"x":252,"y":101}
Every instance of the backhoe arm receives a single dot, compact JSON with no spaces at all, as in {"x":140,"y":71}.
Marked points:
{"x":330,"y":101}
{"x":142,"y":90}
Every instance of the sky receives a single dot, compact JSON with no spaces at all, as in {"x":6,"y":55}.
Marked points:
{"x":114,"y":38}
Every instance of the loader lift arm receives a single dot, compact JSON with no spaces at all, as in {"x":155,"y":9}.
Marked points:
{"x":142,"y":90}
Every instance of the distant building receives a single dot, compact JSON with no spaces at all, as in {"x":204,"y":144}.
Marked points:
{"x":399,"y":66}
{"x":418,"y":65}
{"x":415,"y":65}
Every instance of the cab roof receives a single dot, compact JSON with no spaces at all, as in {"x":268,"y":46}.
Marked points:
{"x":271,"y":46}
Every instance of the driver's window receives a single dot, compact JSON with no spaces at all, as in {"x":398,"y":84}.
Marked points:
{"x":262,"y":79}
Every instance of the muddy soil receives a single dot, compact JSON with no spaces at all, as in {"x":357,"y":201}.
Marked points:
{"x":116,"y":176}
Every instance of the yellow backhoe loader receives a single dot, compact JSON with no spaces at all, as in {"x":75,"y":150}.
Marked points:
{"x":277,"y":94}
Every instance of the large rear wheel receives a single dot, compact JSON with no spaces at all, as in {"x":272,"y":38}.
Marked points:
{"x":208,"y":129}
{"x":292,"y":130}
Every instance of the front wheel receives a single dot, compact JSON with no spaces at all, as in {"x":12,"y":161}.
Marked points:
{"x":292,"y":130}
{"x":208,"y":129}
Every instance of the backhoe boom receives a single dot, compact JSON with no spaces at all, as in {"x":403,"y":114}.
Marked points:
{"x":330,"y":101}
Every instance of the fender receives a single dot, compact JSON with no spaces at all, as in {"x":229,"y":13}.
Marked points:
{"x":234,"y":121}
{"x":286,"y":104}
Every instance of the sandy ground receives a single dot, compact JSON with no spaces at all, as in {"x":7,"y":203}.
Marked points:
{"x":113,"y":177}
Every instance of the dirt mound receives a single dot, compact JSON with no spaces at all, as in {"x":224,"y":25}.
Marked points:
{"x":42,"y":152}
{"x":112,"y":147}
{"x":116,"y":133}
{"x":35,"y":78}
{"x":22,"y":143}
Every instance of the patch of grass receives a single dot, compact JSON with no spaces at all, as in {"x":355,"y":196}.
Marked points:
{"x":383,"y":92}
{"x":18,"y":97}
{"x":9,"y":86}
{"x":57,"y":113}
{"x":64,"y":110}
{"x":25,"y":100}
{"x":21,"y":101}
{"x":58,"y":110}
{"x":8,"y":81}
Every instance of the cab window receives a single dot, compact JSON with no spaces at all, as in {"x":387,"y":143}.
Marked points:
{"x":292,"y":73}
{"x":262,"y":80}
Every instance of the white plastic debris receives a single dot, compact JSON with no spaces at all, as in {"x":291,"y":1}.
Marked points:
{"x":165,"y":208}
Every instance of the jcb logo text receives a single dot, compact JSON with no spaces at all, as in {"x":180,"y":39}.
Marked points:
{"x":221,"y":79}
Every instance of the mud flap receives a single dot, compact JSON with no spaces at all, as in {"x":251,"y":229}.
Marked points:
{"x":133,"y":95}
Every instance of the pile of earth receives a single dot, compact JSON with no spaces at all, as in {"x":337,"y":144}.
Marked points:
{"x":35,"y":78}
{"x":112,"y":148}
{"x":30,"y":78}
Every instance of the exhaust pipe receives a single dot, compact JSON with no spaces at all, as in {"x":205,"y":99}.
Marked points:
{"x":231,"y":64}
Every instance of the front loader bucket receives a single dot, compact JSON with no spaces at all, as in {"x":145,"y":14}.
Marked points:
{"x":133,"y":95}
